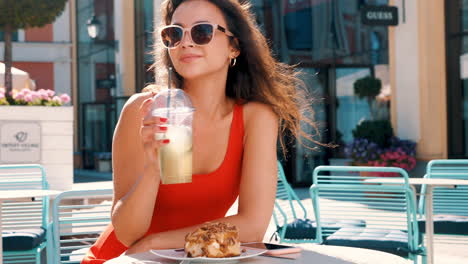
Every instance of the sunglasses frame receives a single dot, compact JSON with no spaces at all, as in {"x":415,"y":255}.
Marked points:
{"x":189,"y":30}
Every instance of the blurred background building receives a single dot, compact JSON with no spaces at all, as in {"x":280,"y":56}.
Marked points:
{"x":100,"y":51}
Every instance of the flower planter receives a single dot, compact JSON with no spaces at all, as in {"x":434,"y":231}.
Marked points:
{"x":50,"y":129}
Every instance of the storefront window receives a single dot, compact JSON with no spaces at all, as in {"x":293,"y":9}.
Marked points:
{"x":464,"y":14}
{"x":330,"y":31}
{"x":333,"y":49}
{"x":309,"y":155}
{"x":457,"y":77}
{"x":14,"y":36}
{"x":144,"y":42}
{"x":96,"y":78}
{"x":296,"y":15}
{"x":464,"y":81}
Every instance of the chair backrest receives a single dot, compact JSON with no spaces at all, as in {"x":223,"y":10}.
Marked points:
{"x":284,"y":191}
{"x":24,"y":214}
{"x":79,"y":217}
{"x":346,"y":194}
{"x":447,"y":201}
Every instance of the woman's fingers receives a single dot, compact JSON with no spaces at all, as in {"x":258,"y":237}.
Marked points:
{"x":151,"y":147}
{"x":150,"y":127}
{"x":148,"y":132}
{"x":150,"y":120}
{"x":145,"y":107}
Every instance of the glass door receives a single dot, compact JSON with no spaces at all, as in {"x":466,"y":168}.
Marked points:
{"x":350,"y":110}
{"x":308,"y":155}
{"x":457,"y":77}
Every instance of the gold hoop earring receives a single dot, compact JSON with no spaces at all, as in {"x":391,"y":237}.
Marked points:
{"x":233,"y":62}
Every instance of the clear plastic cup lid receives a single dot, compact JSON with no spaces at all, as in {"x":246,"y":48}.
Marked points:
{"x":175,"y":100}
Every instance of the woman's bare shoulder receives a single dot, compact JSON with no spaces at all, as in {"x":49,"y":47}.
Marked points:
{"x":256,"y":112}
{"x":133,"y":104}
{"x":137,"y":99}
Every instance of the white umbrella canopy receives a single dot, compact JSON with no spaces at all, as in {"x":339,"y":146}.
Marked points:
{"x":20,"y":78}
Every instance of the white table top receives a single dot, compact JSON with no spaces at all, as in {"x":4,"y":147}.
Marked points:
{"x":92,"y":186}
{"x":420,"y":181}
{"x":18,"y":194}
{"x":312,"y":253}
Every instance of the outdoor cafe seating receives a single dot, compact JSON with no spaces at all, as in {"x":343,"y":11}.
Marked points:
{"x":450,"y":205}
{"x":78,"y":224}
{"x":300,"y":229}
{"x":388,"y":210}
{"x":25,"y":226}
{"x":347,"y":211}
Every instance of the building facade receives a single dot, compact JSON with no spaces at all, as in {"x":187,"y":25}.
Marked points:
{"x":421,"y":62}
{"x":45,"y":53}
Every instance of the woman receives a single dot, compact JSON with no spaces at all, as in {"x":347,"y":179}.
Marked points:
{"x":241,"y":96}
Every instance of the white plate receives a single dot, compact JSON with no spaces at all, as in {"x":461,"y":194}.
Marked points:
{"x":180,"y":255}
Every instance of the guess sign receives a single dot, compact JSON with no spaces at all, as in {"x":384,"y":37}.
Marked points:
{"x":379,"y":15}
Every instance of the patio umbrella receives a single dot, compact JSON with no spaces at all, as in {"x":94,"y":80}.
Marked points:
{"x":21,"y":78}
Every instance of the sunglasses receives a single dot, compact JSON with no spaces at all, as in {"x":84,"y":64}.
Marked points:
{"x":201,"y":34}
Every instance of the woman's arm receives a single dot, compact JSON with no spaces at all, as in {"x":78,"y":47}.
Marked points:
{"x":136,"y":175}
{"x":257,"y":188}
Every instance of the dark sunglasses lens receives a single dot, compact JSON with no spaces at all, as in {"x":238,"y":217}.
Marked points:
{"x":171,"y":36}
{"x":202,"y":34}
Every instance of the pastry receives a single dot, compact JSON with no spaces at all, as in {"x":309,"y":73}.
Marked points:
{"x":213,"y":240}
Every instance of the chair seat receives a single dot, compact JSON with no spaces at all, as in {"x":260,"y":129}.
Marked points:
{"x":336,"y":224}
{"x":300,"y":229}
{"x":24,"y":239}
{"x":307,"y":229}
{"x":390,"y":241}
{"x":447,"y":224}
{"x":76,"y":256}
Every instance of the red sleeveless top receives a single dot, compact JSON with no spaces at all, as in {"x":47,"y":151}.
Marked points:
{"x":207,"y":197}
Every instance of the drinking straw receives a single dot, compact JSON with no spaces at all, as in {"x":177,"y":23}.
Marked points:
{"x":169,"y":96}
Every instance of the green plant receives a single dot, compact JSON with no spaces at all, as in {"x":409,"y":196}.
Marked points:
{"x":368,"y":88}
{"x":18,"y":14}
{"x":377,"y":131}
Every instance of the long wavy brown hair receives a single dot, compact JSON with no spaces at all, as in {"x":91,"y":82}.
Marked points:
{"x":257,"y":75}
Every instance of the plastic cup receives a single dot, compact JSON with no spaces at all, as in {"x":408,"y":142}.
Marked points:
{"x":175,"y":157}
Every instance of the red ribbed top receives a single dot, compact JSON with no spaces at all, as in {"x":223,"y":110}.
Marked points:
{"x":207,"y":197}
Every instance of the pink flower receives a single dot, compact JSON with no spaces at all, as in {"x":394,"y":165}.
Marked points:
{"x":50,"y":93}
{"x":25,"y":91}
{"x":2,"y":90}
{"x":2,"y":95}
{"x":43,"y":94}
{"x":57,"y":99}
{"x":35,"y":96}
{"x":28,"y":98}
{"x":65,"y":98}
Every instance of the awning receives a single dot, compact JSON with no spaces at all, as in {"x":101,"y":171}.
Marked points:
{"x":21,"y":78}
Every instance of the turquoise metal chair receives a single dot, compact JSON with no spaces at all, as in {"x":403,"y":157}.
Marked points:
{"x":79,"y":217}
{"x":293,"y":224}
{"x":26,"y":229}
{"x":295,"y":209}
{"x":450,"y":205}
{"x":389,"y":210}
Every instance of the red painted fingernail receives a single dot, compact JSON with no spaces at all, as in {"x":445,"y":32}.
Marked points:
{"x":163,"y":119}
{"x":165,"y":141}
{"x":163,"y":128}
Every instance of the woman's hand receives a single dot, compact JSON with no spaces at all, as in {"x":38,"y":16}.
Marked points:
{"x":143,"y":245}
{"x":149,"y":126}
